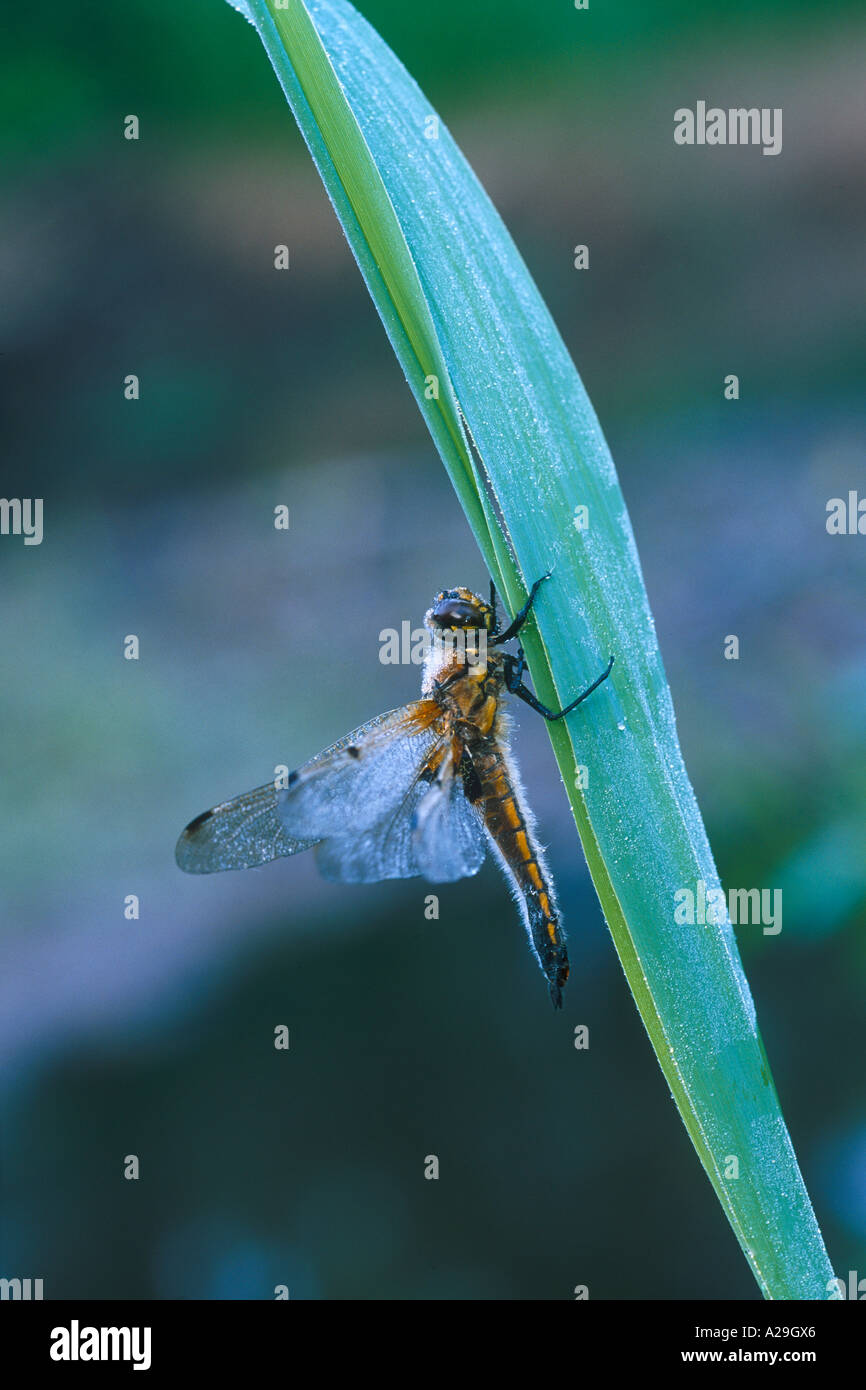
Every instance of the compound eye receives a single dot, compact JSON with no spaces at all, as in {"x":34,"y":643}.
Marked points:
{"x":455,"y":612}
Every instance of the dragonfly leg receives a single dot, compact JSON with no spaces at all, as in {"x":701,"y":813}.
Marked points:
{"x":520,"y":618}
{"x":514,"y":668}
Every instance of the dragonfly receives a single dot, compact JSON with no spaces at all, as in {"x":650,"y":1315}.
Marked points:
{"x":423,"y":790}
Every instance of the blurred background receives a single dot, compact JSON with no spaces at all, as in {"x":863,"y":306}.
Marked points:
{"x":154,"y":1036}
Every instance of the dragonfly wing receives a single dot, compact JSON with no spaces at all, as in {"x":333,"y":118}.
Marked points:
{"x":237,"y":834}
{"x":427,"y":827}
{"x":248,"y":830}
{"x":383,"y":802}
{"x":385,"y":850}
{"x":449,"y":837}
{"x":352,"y":786}
{"x":361,"y":799}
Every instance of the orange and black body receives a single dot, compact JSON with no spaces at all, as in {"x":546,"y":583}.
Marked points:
{"x":469,"y":688}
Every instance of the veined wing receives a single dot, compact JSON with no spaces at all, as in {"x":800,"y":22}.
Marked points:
{"x":448,"y":835}
{"x":247,"y":831}
{"x":237,"y":834}
{"x":387,"y":803}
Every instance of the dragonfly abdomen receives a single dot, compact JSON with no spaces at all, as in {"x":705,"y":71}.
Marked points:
{"x":510,"y":828}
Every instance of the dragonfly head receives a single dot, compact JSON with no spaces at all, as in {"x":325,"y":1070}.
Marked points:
{"x":459,"y":609}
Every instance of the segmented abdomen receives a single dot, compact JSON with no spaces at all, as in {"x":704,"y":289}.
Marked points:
{"x":509,"y":825}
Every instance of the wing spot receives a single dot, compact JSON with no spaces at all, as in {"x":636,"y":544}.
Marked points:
{"x":293,"y":777}
{"x":353,"y":752}
{"x":199,"y":820}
